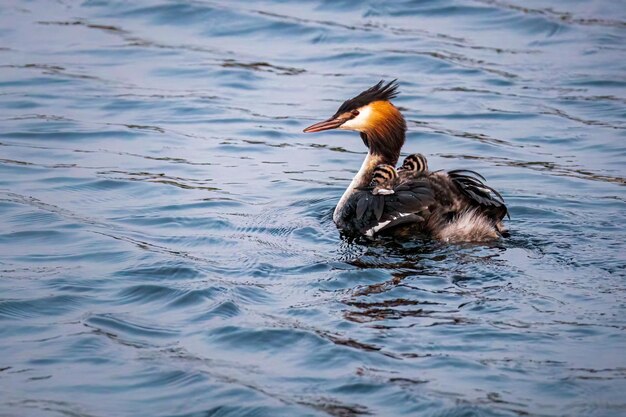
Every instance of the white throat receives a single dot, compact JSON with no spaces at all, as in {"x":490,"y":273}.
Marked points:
{"x":360,"y":122}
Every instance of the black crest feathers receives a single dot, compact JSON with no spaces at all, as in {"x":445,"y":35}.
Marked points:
{"x":380,"y":91}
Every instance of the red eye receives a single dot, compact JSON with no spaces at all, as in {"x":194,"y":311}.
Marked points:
{"x":355,"y":113}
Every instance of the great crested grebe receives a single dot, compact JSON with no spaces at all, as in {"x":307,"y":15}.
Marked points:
{"x":452,"y":206}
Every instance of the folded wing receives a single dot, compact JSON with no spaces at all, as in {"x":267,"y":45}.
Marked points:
{"x":471,"y":185}
{"x":407,"y":204}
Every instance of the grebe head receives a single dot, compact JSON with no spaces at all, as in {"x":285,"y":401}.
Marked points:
{"x":416,"y":163}
{"x":371,"y":113}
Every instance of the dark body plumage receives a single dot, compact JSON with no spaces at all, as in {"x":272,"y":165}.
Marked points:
{"x":450,"y":206}
{"x":428,"y":202}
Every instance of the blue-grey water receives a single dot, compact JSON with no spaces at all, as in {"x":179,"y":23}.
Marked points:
{"x":166,"y":241}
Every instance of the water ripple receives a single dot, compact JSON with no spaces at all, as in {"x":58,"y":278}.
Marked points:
{"x":166,"y":230}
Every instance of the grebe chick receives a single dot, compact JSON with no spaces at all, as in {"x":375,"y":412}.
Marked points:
{"x":415,"y":163}
{"x":449,"y":206}
{"x":383,"y":178}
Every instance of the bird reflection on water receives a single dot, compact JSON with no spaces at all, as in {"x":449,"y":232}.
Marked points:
{"x":409,"y":262}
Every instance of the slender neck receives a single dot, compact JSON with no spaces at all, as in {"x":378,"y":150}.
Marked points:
{"x":364,"y":176}
{"x":381,"y":153}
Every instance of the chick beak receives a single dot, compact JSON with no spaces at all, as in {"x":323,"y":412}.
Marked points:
{"x":332,"y":123}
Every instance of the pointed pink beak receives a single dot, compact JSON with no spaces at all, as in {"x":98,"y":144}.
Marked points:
{"x":332,"y":123}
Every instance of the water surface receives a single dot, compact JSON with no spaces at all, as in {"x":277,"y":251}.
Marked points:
{"x":166,"y":242}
